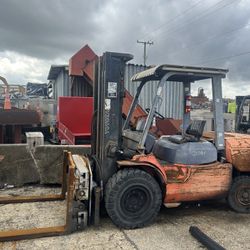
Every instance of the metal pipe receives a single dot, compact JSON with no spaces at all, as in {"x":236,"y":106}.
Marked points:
{"x":209,"y":243}
{"x":157,"y":100}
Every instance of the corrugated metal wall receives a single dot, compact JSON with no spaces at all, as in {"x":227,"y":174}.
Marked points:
{"x":61,"y":84}
{"x":172,"y":104}
{"x":80,"y":87}
{"x":171,"y":107}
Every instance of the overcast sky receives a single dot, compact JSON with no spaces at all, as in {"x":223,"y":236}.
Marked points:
{"x":37,"y":33}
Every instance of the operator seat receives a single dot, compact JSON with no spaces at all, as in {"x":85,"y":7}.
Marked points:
{"x":192,"y":134}
{"x":187,"y":149}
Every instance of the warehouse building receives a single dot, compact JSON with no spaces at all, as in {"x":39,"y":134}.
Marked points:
{"x":77,"y":80}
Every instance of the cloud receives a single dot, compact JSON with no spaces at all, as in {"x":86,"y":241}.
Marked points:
{"x":46,"y":29}
{"x":20,"y":69}
{"x":40,"y":32}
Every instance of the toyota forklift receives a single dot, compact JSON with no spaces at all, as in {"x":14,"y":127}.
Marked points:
{"x":130,"y":172}
{"x":169,"y":170}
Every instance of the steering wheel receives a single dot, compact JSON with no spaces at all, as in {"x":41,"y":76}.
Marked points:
{"x":157,"y":114}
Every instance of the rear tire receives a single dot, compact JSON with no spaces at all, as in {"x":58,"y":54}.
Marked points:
{"x":239,"y":194}
{"x":133,"y":198}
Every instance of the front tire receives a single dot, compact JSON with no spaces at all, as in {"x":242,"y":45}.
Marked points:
{"x":133,"y":198}
{"x":239,"y":194}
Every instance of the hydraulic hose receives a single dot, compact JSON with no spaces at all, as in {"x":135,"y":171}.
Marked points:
{"x":204,"y":239}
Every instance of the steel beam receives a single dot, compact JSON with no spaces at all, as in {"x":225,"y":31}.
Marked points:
{"x":186,"y":115}
{"x":157,"y":101}
{"x":218,"y":112}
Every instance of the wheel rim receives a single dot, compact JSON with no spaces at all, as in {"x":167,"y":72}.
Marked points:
{"x":135,"y":201}
{"x":243,"y":195}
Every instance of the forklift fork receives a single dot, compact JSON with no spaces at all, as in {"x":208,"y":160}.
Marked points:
{"x":77,"y":216}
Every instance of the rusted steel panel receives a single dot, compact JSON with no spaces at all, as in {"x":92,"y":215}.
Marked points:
{"x":238,"y":152}
{"x":138,"y":112}
{"x":20,"y":199}
{"x":31,"y":233}
{"x":188,"y":182}
{"x":237,"y":147}
{"x":82,"y":62}
{"x":145,"y":161}
{"x":17,"y":134}
{"x":210,"y":135}
{"x":19,"y":117}
{"x":168,"y":126}
{"x":192,"y":183}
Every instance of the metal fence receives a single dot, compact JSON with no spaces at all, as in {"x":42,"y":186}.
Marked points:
{"x":172,"y":104}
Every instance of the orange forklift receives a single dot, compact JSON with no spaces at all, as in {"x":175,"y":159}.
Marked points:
{"x":178,"y":168}
{"x":131,"y":173}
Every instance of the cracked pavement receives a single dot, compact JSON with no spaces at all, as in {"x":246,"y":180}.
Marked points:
{"x":170,"y":231}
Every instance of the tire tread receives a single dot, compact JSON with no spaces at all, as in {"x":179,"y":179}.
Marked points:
{"x":231,"y":199}
{"x":112,"y":188}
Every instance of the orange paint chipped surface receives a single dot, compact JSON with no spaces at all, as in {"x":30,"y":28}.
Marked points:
{"x":238,"y":152}
{"x":194,"y":183}
{"x":150,"y":159}
{"x":237,"y":147}
{"x":188,"y":182}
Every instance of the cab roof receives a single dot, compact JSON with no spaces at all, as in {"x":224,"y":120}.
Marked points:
{"x":182,"y":73}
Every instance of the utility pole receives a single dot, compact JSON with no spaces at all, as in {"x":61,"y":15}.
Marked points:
{"x":145,"y":43}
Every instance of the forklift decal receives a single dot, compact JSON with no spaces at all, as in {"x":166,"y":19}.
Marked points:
{"x":112,"y":89}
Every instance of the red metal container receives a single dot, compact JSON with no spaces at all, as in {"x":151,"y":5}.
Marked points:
{"x":74,"y":118}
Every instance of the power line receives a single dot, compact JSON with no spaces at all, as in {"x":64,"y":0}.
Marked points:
{"x":202,"y":15}
{"x":210,"y":38}
{"x":173,"y":19}
{"x":205,"y":13}
{"x":225,"y":57}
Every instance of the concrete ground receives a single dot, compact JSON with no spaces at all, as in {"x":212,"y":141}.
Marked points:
{"x":170,"y":231}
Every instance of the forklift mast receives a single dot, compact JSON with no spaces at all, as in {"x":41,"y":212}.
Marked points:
{"x":107,"y":120}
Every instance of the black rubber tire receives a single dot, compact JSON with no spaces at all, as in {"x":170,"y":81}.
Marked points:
{"x":239,"y":183}
{"x":133,"y":198}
